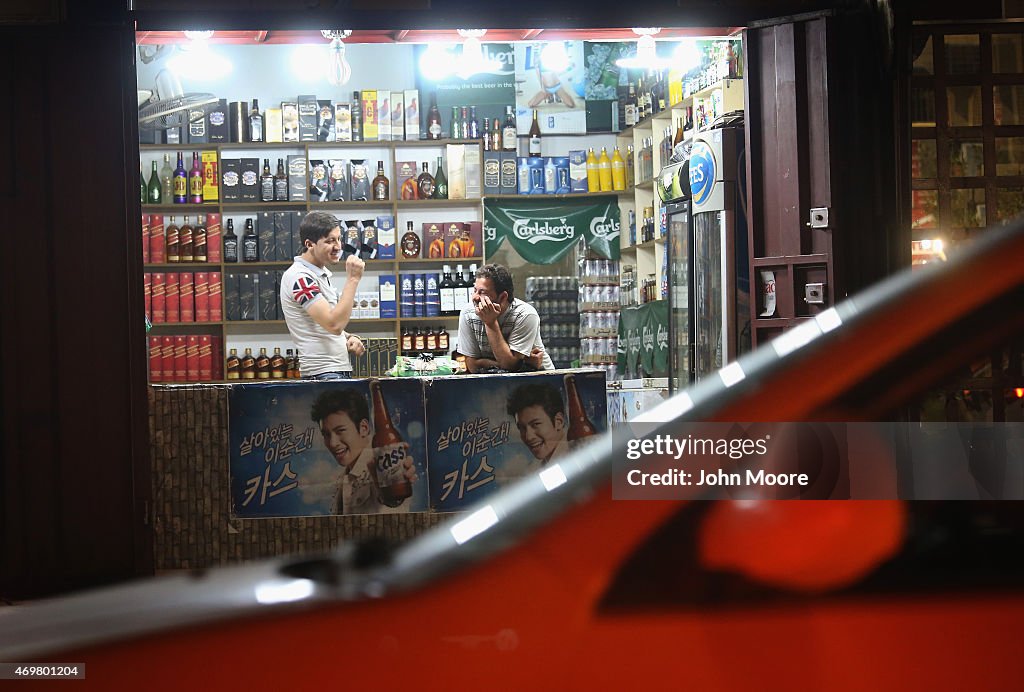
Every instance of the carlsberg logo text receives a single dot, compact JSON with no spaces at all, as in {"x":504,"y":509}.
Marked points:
{"x":603,"y":227}
{"x":534,"y":232}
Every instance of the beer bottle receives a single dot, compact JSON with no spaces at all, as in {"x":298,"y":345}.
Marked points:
{"x":199,"y":241}
{"x":263,"y":365}
{"x":185,"y":242}
{"x":248,"y":365}
{"x":277,"y":365}
{"x":172,"y":242}
{"x":154,"y":190}
{"x":230,"y":243}
{"x":580,"y":426}
{"x":389,"y":453}
{"x":232,"y":365}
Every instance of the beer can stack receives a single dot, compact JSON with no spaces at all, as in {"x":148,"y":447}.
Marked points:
{"x":554,"y":298}
{"x":598,"y":307}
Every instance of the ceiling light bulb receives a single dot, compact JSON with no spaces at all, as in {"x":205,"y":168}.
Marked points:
{"x":338,"y":69}
{"x":199,"y":35}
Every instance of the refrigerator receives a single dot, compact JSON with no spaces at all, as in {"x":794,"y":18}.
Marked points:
{"x":709,"y":259}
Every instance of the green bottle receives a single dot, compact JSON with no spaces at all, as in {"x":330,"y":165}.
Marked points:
{"x":142,"y":184}
{"x":440,"y":182}
{"x":154,"y":195}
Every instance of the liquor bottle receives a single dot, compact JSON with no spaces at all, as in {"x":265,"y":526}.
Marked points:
{"x":680,"y":133}
{"x":464,"y":124}
{"x":471,"y":277}
{"x":280,"y":183}
{"x":143,"y":189}
{"x":407,"y":339}
{"x":290,"y":366}
{"x":419,"y":341}
{"x":263,"y":365}
{"x":248,"y":365}
{"x":199,"y":241}
{"x":593,"y":176}
{"x":580,"y":426}
{"x":154,"y":192}
{"x":474,"y":124}
{"x":641,"y":102}
{"x":166,"y":180}
{"x":266,"y":183}
{"x":618,"y":171}
{"x":496,"y":135}
{"x":185,"y":242}
{"x":277,"y":365}
{"x":357,"y":117}
{"x":380,"y":184}
{"x":442,"y":339}
{"x":462,"y":290}
{"x":195,"y":180}
{"x":425,"y":182}
{"x":180,"y":182}
{"x":440,"y":182}
{"x":447,"y":291}
{"x":172,"y":242}
{"x":430,"y":340}
{"x":508,"y":131}
{"x":535,"y":136}
{"x":630,"y":177}
{"x":487,"y":139}
{"x":456,"y":129}
{"x":389,"y":453}
{"x":434,"y":119}
{"x":662,"y":91}
{"x":604,"y":171}
{"x":255,"y":122}
{"x":250,"y":243}
{"x":232,"y":366}
{"x":230,"y":243}
{"x":631,"y":118}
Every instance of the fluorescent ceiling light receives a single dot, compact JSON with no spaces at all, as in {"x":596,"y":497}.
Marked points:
{"x":196,"y":61}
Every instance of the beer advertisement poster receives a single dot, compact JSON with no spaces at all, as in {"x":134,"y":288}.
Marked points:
{"x":551,"y":78}
{"x":321,"y":448}
{"x":486,"y":432}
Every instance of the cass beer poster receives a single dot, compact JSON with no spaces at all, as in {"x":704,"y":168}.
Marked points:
{"x":401,"y":444}
{"x":317,"y":448}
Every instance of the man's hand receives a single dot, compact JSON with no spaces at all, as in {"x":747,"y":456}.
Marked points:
{"x":487,"y":311}
{"x":354,"y":267}
{"x":536,"y":358}
{"x":355,"y":344}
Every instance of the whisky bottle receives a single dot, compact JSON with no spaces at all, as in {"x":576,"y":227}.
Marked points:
{"x":166,"y":180}
{"x":232,"y":366}
{"x":430,"y":340}
{"x":230,"y":243}
{"x":630,"y":175}
{"x":434,"y":119}
{"x":509,"y":141}
{"x":380,"y":184}
{"x":425,"y":182}
{"x":154,"y":193}
{"x":199,"y":241}
{"x":172,"y":242}
{"x":185,"y":242}
{"x":266,"y":183}
{"x":357,"y":117}
{"x":290,"y":368}
{"x":442,"y":339}
{"x":630,"y":119}
{"x":407,"y":339}
{"x":446,"y":289}
{"x":255,"y":122}
{"x":195,"y":180}
{"x":180,"y":182}
{"x":250,"y":243}
{"x":248,"y":365}
{"x":263,"y":365}
{"x":277,"y":364}
{"x":535,"y":136}
{"x":280,"y":183}
{"x":440,"y":182}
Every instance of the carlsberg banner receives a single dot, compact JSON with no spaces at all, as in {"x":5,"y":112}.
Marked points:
{"x":643,"y":340}
{"x":542,"y":231}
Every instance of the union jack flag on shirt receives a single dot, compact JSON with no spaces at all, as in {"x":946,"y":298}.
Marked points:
{"x":305,"y":290}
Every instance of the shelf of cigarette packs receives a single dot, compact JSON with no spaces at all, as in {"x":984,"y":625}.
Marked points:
{"x":598,"y":298}
{"x":554,"y":298}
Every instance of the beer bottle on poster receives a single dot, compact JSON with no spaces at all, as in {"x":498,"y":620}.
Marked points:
{"x":390,"y":452}
{"x":195,"y":180}
{"x":263,"y":365}
{"x":250,"y":243}
{"x":185,"y":242}
{"x":580,"y":426}
{"x":230,"y":243}
{"x":434,"y":119}
{"x":180,"y":182}
{"x":248,"y":365}
{"x":172,"y":242}
{"x":277,"y":365}
{"x":232,"y":366}
{"x":153,"y":190}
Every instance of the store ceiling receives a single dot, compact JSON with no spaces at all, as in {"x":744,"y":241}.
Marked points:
{"x":428,"y":36}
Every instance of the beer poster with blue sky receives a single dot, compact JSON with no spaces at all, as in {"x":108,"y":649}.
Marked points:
{"x":484,"y":432}
{"x":353,"y":459}
{"x":551,"y":78}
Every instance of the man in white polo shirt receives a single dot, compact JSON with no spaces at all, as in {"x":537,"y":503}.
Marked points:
{"x":315,"y":312}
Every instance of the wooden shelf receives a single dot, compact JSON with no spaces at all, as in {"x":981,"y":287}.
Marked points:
{"x":432,"y":142}
{"x":359,"y":204}
{"x":440,"y":260}
{"x":428,"y":319}
{"x":568,"y":195}
{"x":262,"y":145}
{"x":183,"y":265}
{"x":438,"y":203}
{"x":207,"y":146}
{"x":182,"y":208}
{"x":239,"y":206}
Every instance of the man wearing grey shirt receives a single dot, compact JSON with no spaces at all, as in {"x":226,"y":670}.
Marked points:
{"x":497,"y":331}
{"x":315,"y":312}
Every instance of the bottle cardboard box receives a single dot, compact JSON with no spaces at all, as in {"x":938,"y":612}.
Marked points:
{"x":211,"y":178}
{"x":186,"y":297}
{"x":248,"y":297}
{"x":196,"y":127}
{"x":213,"y":238}
{"x":238,"y":121}
{"x":370,"y":120}
{"x":456,"y":171}
{"x":167,"y":358}
{"x":297,"y":182}
{"x":406,"y":296}
{"x":156,"y":362}
{"x":157,"y":240}
{"x":472,"y":164}
{"x":173,"y":299}
{"x":159,"y":298}
{"x":325,"y":121}
{"x":492,"y":172}
{"x":578,"y":170}
{"x":383,"y":115}
{"x":232,"y":308}
{"x":250,"y":174}
{"x":283,"y":235}
{"x":308,"y":107}
{"x":397,"y":116}
{"x":387,"y":290}
{"x":342,"y":122}
{"x":289,"y":121}
{"x":202,"y":291}
{"x":296,"y":221}
{"x":268,"y":297}
{"x":386,"y":237}
{"x":265,"y":232}
{"x":180,"y":358}
{"x":359,"y":177}
{"x":205,"y":358}
{"x":231,"y":179}
{"x":147,"y":288}
{"x":192,"y":358}
{"x":339,"y":177}
{"x":433,"y":300}
{"x":405,"y":179}
{"x":411,"y":98}
{"x":145,"y":238}
{"x":217,"y":123}
{"x":419,"y":292}
{"x":508,"y":173}
{"x":273,"y":125}
{"x":434,"y":246}
{"x":216,"y":297}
